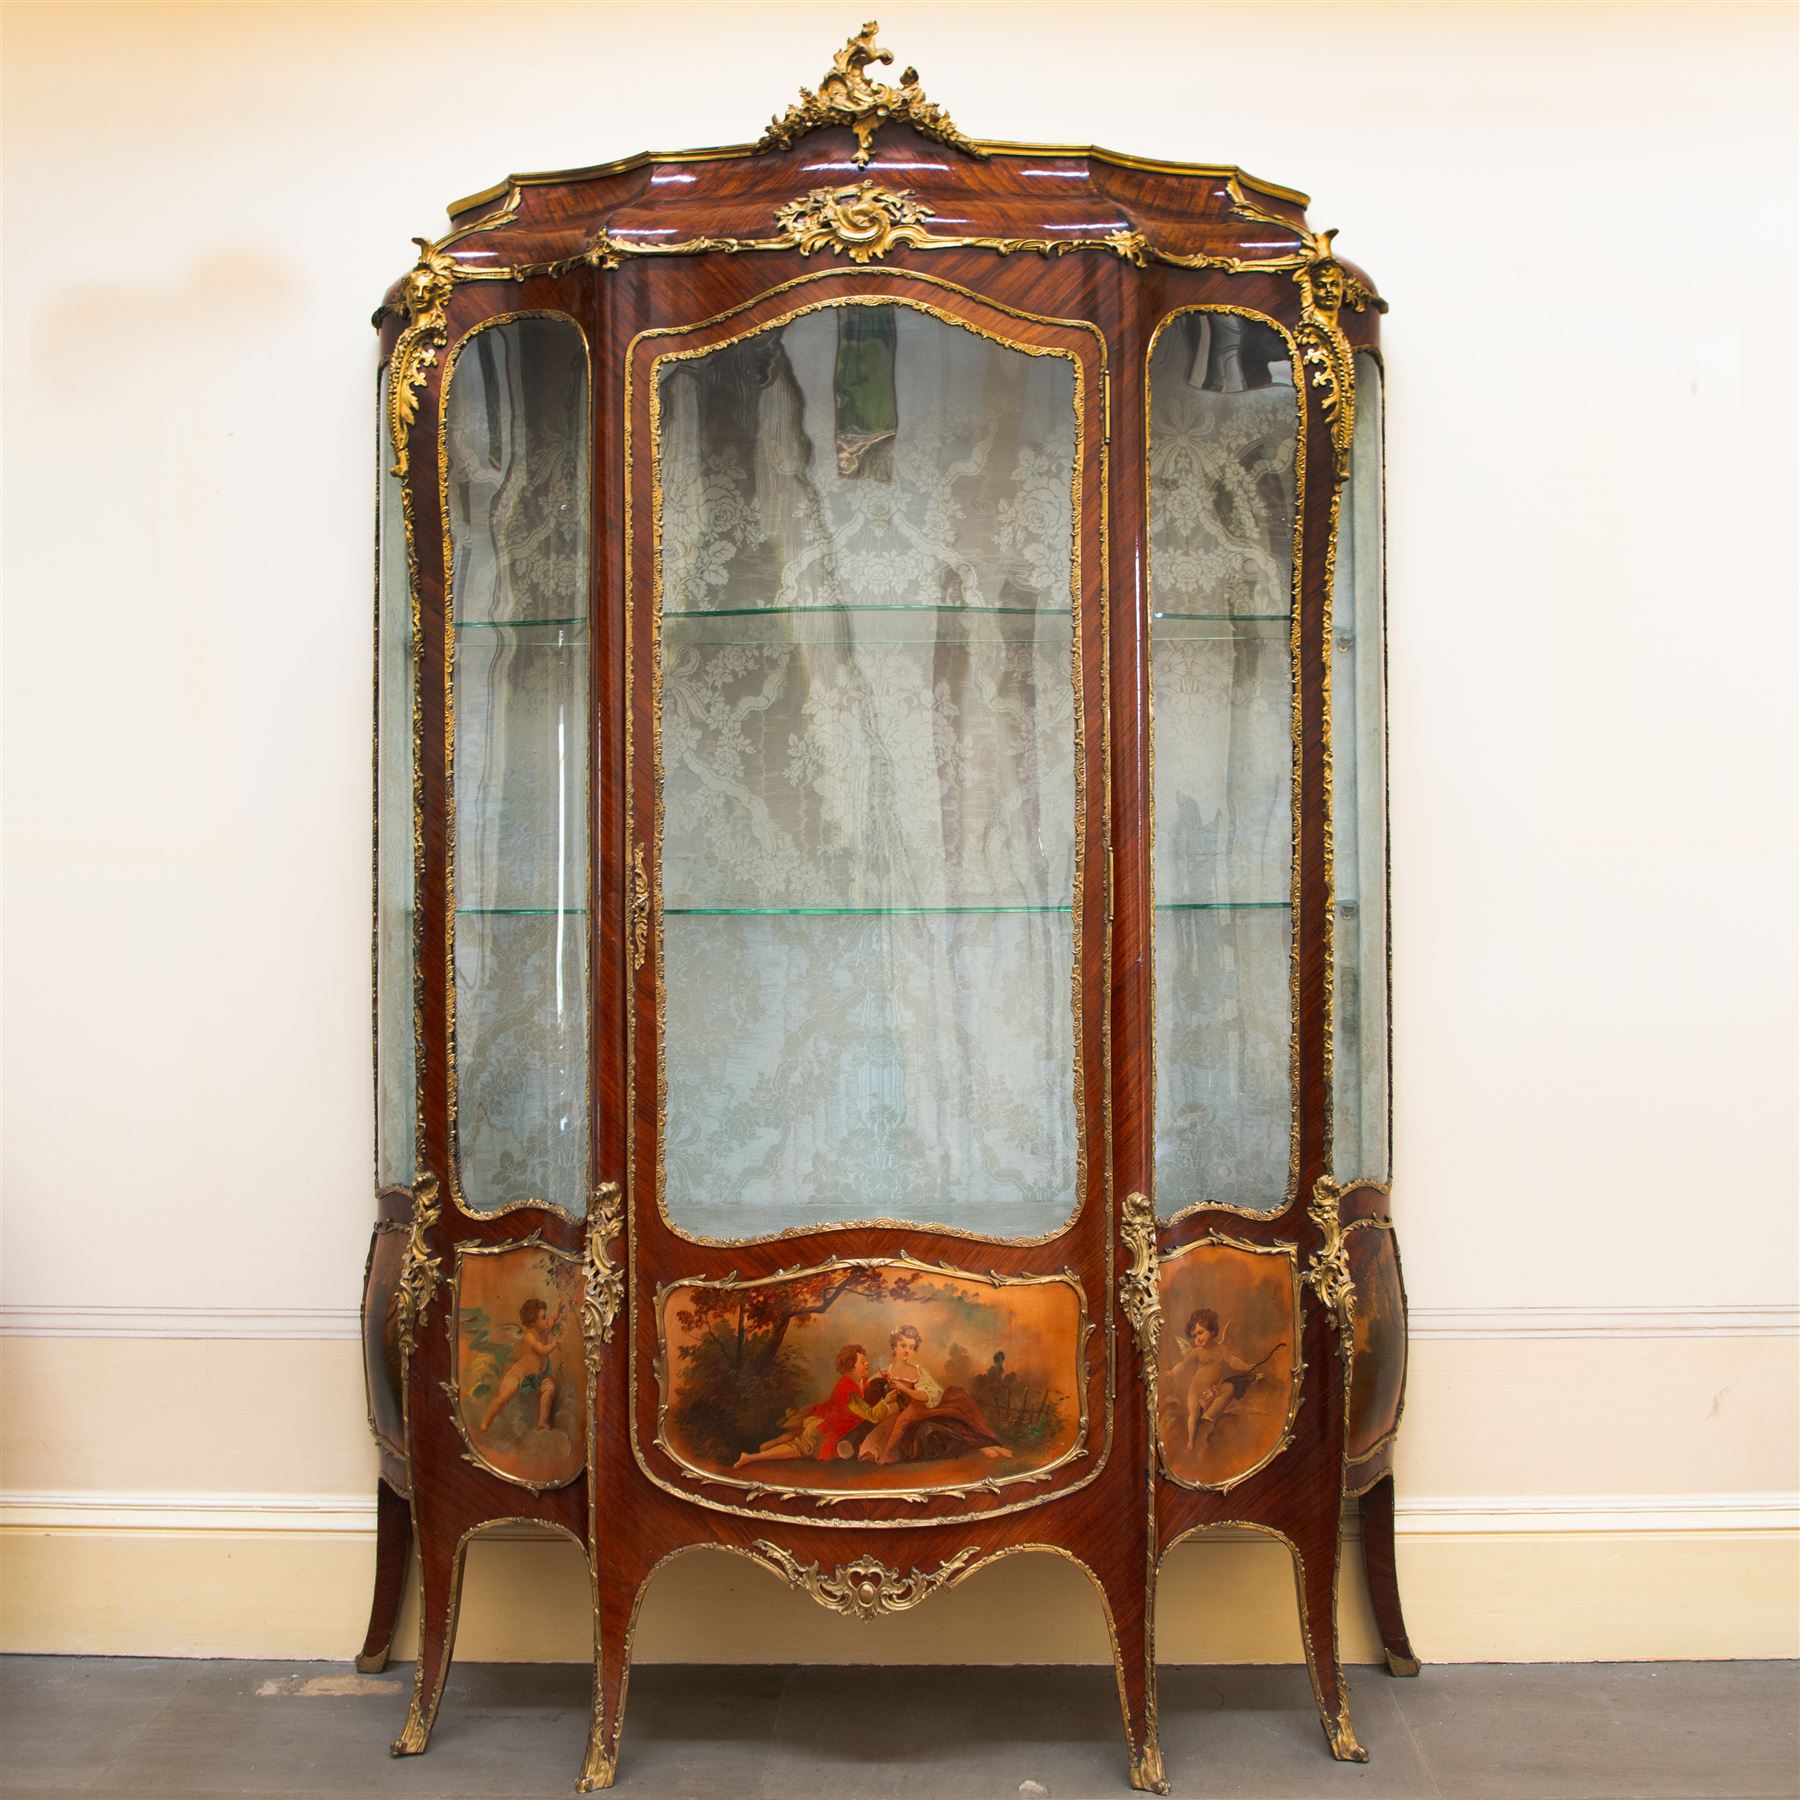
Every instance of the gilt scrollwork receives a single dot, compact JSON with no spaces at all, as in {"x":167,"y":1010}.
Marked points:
{"x":1326,"y":287}
{"x":420,"y":1268}
{"x":1328,"y":1274}
{"x":864,"y":219}
{"x":865,"y":1588}
{"x":603,"y":1287}
{"x":426,"y":297}
{"x":1139,"y":1289}
{"x":849,"y":96}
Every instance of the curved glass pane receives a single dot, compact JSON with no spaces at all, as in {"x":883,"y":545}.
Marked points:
{"x":395,"y":1069}
{"x":1223,"y":420}
{"x":868,"y":763}
{"x":516,"y":450}
{"x":1359,"y":1074}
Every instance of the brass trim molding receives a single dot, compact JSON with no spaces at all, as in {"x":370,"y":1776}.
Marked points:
{"x":640,"y":908}
{"x":847,"y":96}
{"x":1140,"y":1295}
{"x":865,"y":1588}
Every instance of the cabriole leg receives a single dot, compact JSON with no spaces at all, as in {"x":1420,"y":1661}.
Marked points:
{"x":393,"y":1539}
{"x":440,"y":1594}
{"x":1315,"y":1575}
{"x":1377,"y":1506}
{"x":1129,"y":1598}
{"x":617,"y":1597}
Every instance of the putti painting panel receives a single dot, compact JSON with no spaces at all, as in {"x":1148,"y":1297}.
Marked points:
{"x":1228,"y":1382}
{"x":873,"y":1378}
{"x":521,"y":1397}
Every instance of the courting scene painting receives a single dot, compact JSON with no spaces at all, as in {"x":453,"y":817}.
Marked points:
{"x":1226,"y":1387}
{"x":872,"y":1377}
{"x":520,"y":1386}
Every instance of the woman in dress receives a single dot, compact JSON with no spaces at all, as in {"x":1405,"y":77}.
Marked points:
{"x":926,"y":1420}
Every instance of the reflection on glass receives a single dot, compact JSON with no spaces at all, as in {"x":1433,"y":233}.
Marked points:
{"x":868,"y":731}
{"x":1359,"y":1090}
{"x":395,"y":1075}
{"x":1222,"y":439}
{"x":517,"y":459}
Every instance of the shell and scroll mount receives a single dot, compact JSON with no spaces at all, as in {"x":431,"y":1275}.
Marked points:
{"x":847,"y":96}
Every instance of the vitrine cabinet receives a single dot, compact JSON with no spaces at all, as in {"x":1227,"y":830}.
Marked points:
{"x":881,"y":940}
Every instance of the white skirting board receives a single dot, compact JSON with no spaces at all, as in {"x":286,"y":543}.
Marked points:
{"x":1508,"y":1578}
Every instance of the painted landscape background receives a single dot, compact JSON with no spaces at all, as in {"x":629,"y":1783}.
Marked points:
{"x":741,"y":1361}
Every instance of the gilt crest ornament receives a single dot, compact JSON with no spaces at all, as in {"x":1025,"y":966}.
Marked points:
{"x":847,"y":96}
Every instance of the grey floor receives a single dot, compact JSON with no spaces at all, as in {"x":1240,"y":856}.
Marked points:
{"x":303,"y":1731}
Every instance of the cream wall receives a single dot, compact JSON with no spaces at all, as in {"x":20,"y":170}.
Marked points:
{"x":1591,"y":455}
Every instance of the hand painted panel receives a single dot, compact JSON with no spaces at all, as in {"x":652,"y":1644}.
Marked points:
{"x":381,"y":1336}
{"x":520,"y":1395}
{"x":1378,"y":1322}
{"x":1228,"y":1384}
{"x":880,"y":1377}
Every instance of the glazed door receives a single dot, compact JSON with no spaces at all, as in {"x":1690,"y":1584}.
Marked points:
{"x":867,"y":840}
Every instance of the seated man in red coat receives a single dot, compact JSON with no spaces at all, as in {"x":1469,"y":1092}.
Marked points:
{"x":816,"y":1431}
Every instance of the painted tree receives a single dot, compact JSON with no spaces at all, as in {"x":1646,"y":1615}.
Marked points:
{"x":741,"y":1374}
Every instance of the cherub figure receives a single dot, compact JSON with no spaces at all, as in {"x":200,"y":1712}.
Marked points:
{"x":531,"y":1369}
{"x":1216,"y":1378}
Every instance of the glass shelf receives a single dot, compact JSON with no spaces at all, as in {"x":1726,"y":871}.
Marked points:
{"x":848,"y":629}
{"x":851,"y":912}
{"x":521,"y":912}
{"x":521,"y":624}
{"x":895,"y":606}
{"x":1163,"y":906}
